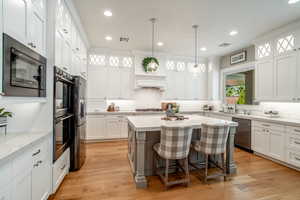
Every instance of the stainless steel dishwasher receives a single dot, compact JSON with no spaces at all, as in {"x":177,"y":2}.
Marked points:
{"x":243,"y":134}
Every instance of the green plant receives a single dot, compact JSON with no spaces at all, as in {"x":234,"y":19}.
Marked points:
{"x":4,"y":113}
{"x":146,"y":61}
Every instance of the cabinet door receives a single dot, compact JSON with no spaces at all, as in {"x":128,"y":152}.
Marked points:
{"x":276,"y":145}
{"x":40,"y":7}
{"x":124,"y":133}
{"x":59,"y":42}
{"x":67,"y":57}
{"x":36,"y":32}
{"x":298,"y":75}
{"x":113,"y":127}
{"x":41,"y":180}
{"x":5,"y":193}
{"x":97,"y":83}
{"x":22,"y":187}
{"x":264,"y":71}
{"x":113,"y":83}
{"x":286,"y":77}
{"x":261,"y":141}
{"x":96,"y":127}
{"x":126,"y":83}
{"x":15,"y":15}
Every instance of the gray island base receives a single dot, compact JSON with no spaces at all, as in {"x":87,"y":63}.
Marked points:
{"x":144,"y":132}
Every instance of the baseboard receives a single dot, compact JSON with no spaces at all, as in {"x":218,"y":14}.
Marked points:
{"x":277,"y":161}
{"x":104,"y":140}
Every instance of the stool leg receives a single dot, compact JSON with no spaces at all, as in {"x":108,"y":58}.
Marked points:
{"x":187,"y":173}
{"x":224,"y":167}
{"x":206,"y":168}
{"x":167,"y":173}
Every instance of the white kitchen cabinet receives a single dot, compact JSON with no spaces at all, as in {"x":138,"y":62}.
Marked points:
{"x":96,"y":127}
{"x":285,"y":67}
{"x":124,"y":128}
{"x":5,"y":193}
{"x":298,"y":76}
{"x":67,"y":57}
{"x":60,"y":169}
{"x":15,"y":16}
{"x":97,"y":83}
{"x":25,"y":21}
{"x":113,"y":82}
{"x":41,"y":180}
{"x":126,"y":83}
{"x":277,"y":145}
{"x":59,"y":42}
{"x":37,"y":32}
{"x":264,"y":82}
{"x":260,"y":143}
{"x":21,"y":188}
{"x":114,"y":126}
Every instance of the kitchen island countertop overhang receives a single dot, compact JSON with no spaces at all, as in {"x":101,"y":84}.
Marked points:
{"x":144,"y":132}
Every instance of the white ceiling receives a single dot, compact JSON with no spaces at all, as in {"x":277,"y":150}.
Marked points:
{"x":216,"y":18}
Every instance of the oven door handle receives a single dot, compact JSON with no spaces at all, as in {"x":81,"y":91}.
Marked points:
{"x":59,"y":78}
{"x":63,"y":118}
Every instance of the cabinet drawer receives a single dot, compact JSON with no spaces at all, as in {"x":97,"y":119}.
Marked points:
{"x":294,"y":130}
{"x":269,"y":126}
{"x":293,"y":140}
{"x":60,"y":169}
{"x":293,"y":157}
{"x":5,"y":174}
{"x":40,"y":151}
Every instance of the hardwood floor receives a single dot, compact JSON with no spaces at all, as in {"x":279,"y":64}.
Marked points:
{"x":106,"y":176}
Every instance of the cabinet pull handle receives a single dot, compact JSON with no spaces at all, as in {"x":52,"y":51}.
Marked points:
{"x":267,"y":125}
{"x":36,"y":153}
{"x":63,"y":167}
{"x":36,"y":164}
{"x":40,"y":162}
{"x":296,"y":130}
{"x":296,"y":158}
{"x":297,"y":142}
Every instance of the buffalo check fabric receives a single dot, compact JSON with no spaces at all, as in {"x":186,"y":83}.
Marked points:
{"x":213,"y":139}
{"x":174,"y":142}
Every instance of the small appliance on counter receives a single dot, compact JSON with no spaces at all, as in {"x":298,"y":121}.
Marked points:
{"x":229,"y":108}
{"x":208,"y":107}
{"x":113,"y":108}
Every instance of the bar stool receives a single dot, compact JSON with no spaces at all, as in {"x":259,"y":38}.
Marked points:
{"x":174,"y":145}
{"x":213,"y":140}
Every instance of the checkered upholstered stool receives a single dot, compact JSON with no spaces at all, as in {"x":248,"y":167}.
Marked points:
{"x":174,"y":145}
{"x":212,"y":142}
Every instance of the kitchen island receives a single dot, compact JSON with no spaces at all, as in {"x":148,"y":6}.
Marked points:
{"x":144,"y":132}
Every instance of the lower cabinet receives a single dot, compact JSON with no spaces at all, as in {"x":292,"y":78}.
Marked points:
{"x":101,"y":127}
{"x":29,"y":174}
{"x":60,"y":169}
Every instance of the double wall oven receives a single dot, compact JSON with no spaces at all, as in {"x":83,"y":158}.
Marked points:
{"x":63,"y":111}
{"x":24,"y":70}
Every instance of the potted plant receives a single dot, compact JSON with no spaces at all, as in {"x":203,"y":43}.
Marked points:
{"x":150,"y":64}
{"x":4,"y":115}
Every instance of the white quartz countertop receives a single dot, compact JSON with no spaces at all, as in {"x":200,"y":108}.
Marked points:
{"x":148,"y":122}
{"x":13,"y":143}
{"x":279,"y":120}
{"x":135,"y":112}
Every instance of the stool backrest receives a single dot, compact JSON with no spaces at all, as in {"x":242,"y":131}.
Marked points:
{"x":175,"y":142}
{"x":213,"y":139}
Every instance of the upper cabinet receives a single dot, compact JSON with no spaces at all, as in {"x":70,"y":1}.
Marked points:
{"x":70,"y":51}
{"x":278,"y":68}
{"x":25,"y":21}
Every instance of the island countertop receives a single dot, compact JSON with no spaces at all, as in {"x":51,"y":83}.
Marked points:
{"x":146,"y":122}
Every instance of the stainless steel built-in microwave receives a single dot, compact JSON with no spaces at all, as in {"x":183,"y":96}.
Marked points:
{"x":24,"y":70}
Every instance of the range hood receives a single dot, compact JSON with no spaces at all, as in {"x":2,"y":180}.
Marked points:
{"x":155,"y":81}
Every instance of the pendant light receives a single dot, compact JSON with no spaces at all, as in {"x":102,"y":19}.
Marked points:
{"x":153,"y":66}
{"x":195,"y":27}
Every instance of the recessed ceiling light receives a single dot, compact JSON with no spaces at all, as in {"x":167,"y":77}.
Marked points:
{"x":108,"y":38}
{"x":233,"y":33}
{"x":293,"y":1}
{"x":107,"y":13}
{"x":203,"y":49}
{"x":160,"y":44}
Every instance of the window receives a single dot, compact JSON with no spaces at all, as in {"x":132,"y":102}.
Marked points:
{"x":127,"y":62}
{"x":264,"y":50}
{"x":95,"y":59}
{"x":180,"y":66}
{"x":114,"y":61}
{"x":170,"y":65}
{"x":285,"y":44}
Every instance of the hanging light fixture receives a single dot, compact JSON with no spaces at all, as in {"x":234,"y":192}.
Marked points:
{"x":195,"y":27}
{"x":153,"y":65}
